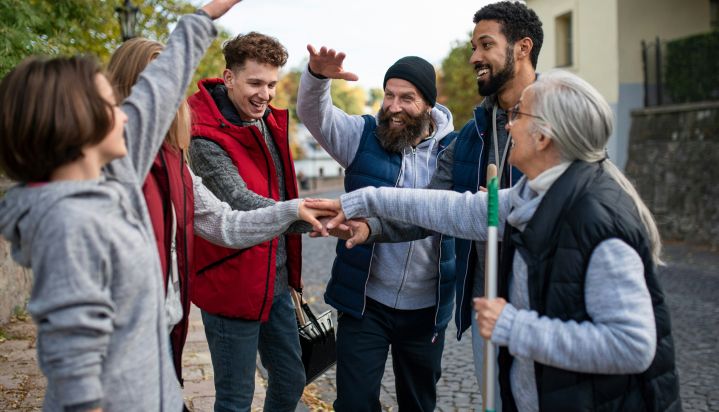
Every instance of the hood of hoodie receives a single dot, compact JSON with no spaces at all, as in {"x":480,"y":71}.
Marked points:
{"x":23,"y":208}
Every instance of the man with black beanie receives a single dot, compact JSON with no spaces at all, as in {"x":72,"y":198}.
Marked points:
{"x":506,"y":41}
{"x":390,"y":295}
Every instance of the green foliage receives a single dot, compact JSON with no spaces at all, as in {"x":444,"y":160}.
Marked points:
{"x":65,"y":27}
{"x":376,"y":96}
{"x":691,"y":67}
{"x":350,"y":99}
{"x":457,"y":86}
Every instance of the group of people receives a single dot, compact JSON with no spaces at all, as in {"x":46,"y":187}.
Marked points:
{"x":122,"y":234}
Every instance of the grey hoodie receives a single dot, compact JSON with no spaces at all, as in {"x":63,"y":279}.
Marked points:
{"x":402,"y":275}
{"x":97,"y":296}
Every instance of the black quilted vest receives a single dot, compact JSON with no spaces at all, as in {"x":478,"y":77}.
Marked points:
{"x":584,"y":207}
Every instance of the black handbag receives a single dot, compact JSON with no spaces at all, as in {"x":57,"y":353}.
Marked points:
{"x":317,"y":338}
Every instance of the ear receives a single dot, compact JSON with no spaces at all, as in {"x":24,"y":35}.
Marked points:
{"x":228,"y":76}
{"x":524,"y":46}
{"x":543,"y":142}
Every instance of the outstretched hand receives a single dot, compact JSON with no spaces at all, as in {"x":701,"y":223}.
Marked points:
{"x":328,"y":63}
{"x":315,"y":216}
{"x":217,"y":8}
{"x":334,"y":206}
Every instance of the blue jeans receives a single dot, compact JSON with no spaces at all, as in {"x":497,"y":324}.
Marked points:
{"x":234,"y":344}
{"x":362,"y":348}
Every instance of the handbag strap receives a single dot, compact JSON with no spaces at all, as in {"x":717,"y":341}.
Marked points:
{"x":297,"y":300}
{"x":304,"y":312}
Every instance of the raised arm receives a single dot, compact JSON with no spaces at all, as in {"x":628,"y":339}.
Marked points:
{"x":160,"y":88}
{"x":336,"y":131}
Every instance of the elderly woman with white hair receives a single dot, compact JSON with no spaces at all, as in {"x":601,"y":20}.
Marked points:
{"x":582,"y":323}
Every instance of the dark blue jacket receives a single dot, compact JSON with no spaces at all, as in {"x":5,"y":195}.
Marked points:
{"x":346,"y":290}
{"x":469,"y":172}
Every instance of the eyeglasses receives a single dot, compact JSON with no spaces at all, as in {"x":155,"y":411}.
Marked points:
{"x":514,"y":113}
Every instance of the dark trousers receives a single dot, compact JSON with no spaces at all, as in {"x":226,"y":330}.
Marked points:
{"x":362,"y":347}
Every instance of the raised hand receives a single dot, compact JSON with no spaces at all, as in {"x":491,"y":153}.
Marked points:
{"x":328,"y":63}
{"x":217,"y":8}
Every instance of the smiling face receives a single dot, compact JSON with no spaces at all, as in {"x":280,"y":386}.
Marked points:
{"x":251,"y":88}
{"x":402,"y":100}
{"x":113,"y":145}
{"x":525,"y":135}
{"x":492,"y":57}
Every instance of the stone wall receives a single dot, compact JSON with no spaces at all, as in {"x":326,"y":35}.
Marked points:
{"x":674,"y":162}
{"x":15,"y":284}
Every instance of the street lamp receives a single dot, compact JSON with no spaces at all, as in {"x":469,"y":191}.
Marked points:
{"x":127,"y":15}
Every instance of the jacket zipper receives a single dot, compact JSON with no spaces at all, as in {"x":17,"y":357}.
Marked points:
{"x":411,"y":244}
{"x":269,"y":255}
{"x":471,"y":242}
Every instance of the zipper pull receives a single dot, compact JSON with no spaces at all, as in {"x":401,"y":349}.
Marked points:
{"x":434,"y":337}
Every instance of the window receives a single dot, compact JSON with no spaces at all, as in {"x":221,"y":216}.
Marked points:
{"x":563,"y":26}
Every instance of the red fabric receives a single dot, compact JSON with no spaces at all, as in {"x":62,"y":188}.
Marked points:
{"x":169,"y":180}
{"x":240,"y":283}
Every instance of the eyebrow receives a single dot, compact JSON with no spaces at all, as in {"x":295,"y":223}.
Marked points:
{"x":486,"y":36}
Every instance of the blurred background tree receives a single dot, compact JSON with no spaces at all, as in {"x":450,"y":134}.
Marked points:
{"x":51,"y":27}
{"x":457,"y":85}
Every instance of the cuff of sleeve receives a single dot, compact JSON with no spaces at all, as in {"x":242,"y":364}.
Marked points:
{"x":503,"y":328}
{"x":375,"y":229}
{"x":317,"y":76}
{"x":84,"y":407}
{"x":352,"y":204}
{"x":79,"y":391}
{"x":290,"y":207}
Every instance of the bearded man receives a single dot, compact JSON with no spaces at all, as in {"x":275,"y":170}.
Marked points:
{"x":391,"y":295}
{"x":506,"y":41}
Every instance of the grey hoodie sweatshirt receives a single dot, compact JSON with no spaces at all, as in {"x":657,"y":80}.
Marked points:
{"x":97,"y":297}
{"x":402,"y":275}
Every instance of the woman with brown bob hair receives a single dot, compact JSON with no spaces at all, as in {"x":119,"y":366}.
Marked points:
{"x":179,"y":204}
{"x":78,"y":219}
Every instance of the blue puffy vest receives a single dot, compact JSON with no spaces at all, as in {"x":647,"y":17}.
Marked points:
{"x":346,"y":290}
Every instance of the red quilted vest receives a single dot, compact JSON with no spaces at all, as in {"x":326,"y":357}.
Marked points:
{"x":240,"y":283}
{"x":169,"y":180}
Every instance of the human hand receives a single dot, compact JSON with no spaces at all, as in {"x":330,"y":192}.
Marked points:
{"x":328,"y":63}
{"x":313,"y":216}
{"x":338,"y":221}
{"x":217,"y":8}
{"x":487,"y":312}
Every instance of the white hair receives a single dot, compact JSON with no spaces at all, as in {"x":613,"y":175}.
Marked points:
{"x":579,"y":121}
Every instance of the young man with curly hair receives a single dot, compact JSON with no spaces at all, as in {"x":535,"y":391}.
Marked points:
{"x":240,"y":148}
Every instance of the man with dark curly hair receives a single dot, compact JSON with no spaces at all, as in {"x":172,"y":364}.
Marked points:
{"x":506,"y":40}
{"x":240,"y":148}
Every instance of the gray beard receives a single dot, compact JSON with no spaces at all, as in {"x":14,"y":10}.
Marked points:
{"x":395,"y":140}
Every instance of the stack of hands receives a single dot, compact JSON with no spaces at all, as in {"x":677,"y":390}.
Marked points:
{"x":328,"y":219}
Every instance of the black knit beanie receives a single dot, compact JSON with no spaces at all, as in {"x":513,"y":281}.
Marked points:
{"x":417,"y":71}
